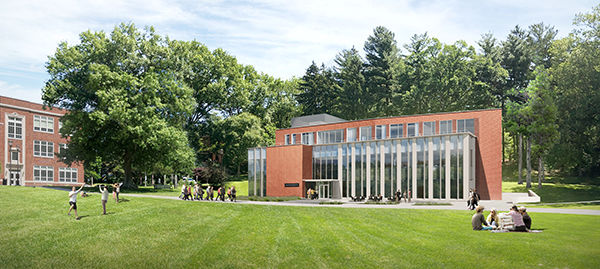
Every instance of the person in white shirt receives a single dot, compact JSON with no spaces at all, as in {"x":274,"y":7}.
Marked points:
{"x":104,"y":192}
{"x":73,"y":200}
{"x":116,"y":191}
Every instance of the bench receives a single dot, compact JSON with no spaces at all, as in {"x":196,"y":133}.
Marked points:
{"x":157,"y":187}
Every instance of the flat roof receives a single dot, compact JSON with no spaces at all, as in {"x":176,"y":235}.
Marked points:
{"x":401,"y":116}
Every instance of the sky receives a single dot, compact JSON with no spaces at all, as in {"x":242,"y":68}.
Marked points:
{"x":280,"y":38}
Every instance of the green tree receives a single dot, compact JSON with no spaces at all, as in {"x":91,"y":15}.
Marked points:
{"x":318,"y":91}
{"x":349,"y":74}
{"x":543,"y":113}
{"x":540,"y":40}
{"x":575,"y":72}
{"x":125,"y":103}
{"x":383,"y":64}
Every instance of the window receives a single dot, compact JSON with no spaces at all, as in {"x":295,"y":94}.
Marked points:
{"x":14,"y":156}
{"x":43,"y":149}
{"x":396,"y":130}
{"x":43,"y":124}
{"x":467,"y":125}
{"x":429,"y":128}
{"x":380,"y":132}
{"x":351,"y":135}
{"x":308,"y":138}
{"x":66,"y":174}
{"x":328,"y":137}
{"x":43,"y":173}
{"x":287,"y":139}
{"x":412,"y":129}
{"x":15,"y":127}
{"x":292,"y":139}
{"x":446,"y":127}
{"x":365,"y":133}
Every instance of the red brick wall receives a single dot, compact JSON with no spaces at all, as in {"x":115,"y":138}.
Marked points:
{"x":28,"y":110}
{"x":488,"y":129}
{"x":286,"y":165}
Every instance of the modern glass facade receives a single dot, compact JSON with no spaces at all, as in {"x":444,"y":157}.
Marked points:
{"x":433,"y":167}
{"x":257,"y":172}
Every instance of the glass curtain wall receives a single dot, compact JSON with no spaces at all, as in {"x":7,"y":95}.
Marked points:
{"x":381,"y":167}
{"x":257,"y":172}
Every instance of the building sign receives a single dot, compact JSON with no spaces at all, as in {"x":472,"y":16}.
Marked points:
{"x":291,"y":185}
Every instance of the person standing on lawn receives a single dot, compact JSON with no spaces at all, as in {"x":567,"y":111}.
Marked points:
{"x":116,"y":191}
{"x":104,"y":198}
{"x":73,"y":200}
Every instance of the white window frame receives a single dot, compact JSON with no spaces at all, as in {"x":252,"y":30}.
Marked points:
{"x":44,"y":173}
{"x":351,"y":138}
{"x":370,"y":134}
{"x":399,"y":127}
{"x":381,"y":131}
{"x":43,"y":124}
{"x":415,"y":130}
{"x":308,"y":138}
{"x":62,"y":174}
{"x":15,"y":123}
{"x":287,"y":139}
{"x":49,"y":146}
{"x":448,"y":125}
{"x":461,"y":126}
{"x":432,"y":128}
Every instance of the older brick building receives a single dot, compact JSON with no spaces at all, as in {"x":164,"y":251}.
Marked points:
{"x":30,"y":143}
{"x":431,"y":156}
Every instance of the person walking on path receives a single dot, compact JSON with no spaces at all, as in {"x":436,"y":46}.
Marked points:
{"x":104,"y":198}
{"x":409,"y":195}
{"x":233,"y":193}
{"x":73,"y":200}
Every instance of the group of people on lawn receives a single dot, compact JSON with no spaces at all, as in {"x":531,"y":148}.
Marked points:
{"x":197,"y":193}
{"x":520,"y":218}
{"x":104,"y":198}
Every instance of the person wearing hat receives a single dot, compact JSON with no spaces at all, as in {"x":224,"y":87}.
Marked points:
{"x":478,"y":221}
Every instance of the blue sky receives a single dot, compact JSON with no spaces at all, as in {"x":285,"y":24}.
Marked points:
{"x":279,"y":38}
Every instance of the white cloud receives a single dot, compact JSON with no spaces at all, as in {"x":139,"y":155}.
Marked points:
{"x":277,"y":37}
{"x":19,"y":92}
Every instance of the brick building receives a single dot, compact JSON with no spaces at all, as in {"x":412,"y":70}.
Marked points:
{"x":30,"y":143}
{"x":431,"y":156}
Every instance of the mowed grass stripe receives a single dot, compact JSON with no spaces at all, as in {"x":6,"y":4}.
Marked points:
{"x":154,"y":233}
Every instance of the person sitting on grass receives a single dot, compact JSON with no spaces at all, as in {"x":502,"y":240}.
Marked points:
{"x":478,"y":221}
{"x":517,"y":219}
{"x":104,"y":197}
{"x":493,"y":219}
{"x":73,"y":200}
{"x":526,"y":217}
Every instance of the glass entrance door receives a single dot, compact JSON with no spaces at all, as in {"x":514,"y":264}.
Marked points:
{"x":324,"y":191}
{"x":14,"y":178}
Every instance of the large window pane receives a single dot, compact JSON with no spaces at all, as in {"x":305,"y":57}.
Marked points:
{"x":351,"y":135}
{"x":380,"y":132}
{"x":365,"y":133}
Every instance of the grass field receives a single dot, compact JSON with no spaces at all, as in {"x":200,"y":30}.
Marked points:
{"x":144,"y":232}
{"x":558,"y":192}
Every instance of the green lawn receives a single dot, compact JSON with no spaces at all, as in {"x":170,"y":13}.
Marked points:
{"x":558,"y":192}
{"x":592,"y":205}
{"x":144,"y":232}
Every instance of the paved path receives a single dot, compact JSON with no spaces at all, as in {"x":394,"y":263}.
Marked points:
{"x":500,"y":205}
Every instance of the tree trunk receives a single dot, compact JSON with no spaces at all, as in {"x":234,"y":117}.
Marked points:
{"x":540,"y":171}
{"x":238,"y":170}
{"x":153,"y":180}
{"x":520,"y":159}
{"x":128,"y":182}
{"x":528,"y":163}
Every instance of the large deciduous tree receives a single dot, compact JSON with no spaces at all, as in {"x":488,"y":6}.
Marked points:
{"x":126,"y":103}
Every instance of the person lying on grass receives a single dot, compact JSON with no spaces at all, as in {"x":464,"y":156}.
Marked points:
{"x":478,"y":221}
{"x":73,"y":200}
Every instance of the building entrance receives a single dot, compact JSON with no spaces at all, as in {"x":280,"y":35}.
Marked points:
{"x":14,"y":178}
{"x":324,"y":190}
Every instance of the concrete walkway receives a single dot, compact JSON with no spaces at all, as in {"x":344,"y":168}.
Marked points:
{"x":499,"y":205}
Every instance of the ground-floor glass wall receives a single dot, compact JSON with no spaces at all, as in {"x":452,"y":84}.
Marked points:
{"x":257,"y":172}
{"x":425,"y":167}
